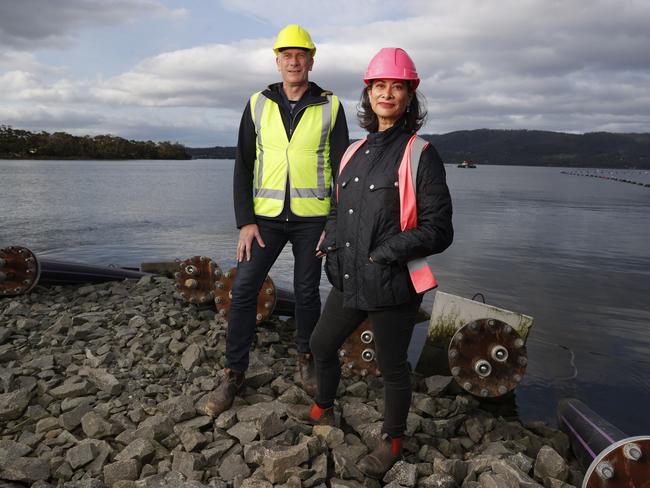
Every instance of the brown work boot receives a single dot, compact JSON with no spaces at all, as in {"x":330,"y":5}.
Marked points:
{"x":313,"y":415}
{"x":222,"y":397}
{"x":307,"y":372}
{"x":381,"y":459}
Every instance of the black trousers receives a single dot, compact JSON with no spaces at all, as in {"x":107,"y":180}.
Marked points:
{"x":251,"y":274}
{"x":392,"y":328}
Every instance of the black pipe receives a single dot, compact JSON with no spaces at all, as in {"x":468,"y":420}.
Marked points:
{"x":65,"y":273}
{"x":610,"y":457}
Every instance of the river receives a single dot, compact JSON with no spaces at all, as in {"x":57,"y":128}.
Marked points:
{"x":571,"y":251}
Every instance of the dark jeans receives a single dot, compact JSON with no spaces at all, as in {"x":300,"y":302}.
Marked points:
{"x":251,"y":274}
{"x":392,"y":328}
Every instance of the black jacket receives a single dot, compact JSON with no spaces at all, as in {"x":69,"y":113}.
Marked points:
{"x":365,"y":223}
{"x":245,"y":159}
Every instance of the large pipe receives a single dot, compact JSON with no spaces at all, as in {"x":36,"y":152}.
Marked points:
{"x":21,"y":271}
{"x":611,"y":458}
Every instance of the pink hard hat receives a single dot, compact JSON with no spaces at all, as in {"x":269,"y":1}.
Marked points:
{"x":393,"y":63}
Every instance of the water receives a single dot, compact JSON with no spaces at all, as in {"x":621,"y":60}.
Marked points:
{"x":570,"y":251}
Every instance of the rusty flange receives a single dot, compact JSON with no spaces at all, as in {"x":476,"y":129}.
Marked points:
{"x":195,"y":279}
{"x":487,"y":357}
{"x":358,"y":352}
{"x":223,"y":295}
{"x":624,"y":464}
{"x":19,"y":271}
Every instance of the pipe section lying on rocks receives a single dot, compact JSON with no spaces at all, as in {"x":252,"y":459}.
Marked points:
{"x":21,"y":271}
{"x":611,"y":458}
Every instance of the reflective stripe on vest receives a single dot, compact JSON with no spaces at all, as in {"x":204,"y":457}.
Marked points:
{"x":305,"y":159}
{"x":419,"y":270}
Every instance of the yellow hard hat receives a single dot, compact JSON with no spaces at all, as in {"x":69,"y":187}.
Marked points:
{"x":294,"y":36}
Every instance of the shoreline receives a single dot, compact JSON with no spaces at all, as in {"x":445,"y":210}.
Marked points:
{"x":100,"y":385}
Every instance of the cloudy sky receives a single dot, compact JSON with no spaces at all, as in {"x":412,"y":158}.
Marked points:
{"x":183,"y":70}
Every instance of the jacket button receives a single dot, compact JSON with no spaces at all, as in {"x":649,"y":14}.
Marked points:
{"x":346,"y":276}
{"x":396,"y":183}
{"x":372,"y":187}
{"x":344,"y":183}
{"x":350,"y":211}
{"x":356,"y":178}
{"x":367,"y":151}
{"x":347,"y":244}
{"x":329,"y":248}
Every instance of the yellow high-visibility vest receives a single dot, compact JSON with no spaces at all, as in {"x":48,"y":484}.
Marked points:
{"x":305,"y":159}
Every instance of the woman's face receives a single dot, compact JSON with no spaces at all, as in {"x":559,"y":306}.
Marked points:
{"x":389,"y":99}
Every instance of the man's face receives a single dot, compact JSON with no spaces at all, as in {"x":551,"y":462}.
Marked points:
{"x":294,"y":64}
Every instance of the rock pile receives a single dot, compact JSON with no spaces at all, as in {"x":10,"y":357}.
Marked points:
{"x":99,"y":386}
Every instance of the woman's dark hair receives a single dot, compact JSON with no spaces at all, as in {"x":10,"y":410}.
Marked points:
{"x":416,"y":112}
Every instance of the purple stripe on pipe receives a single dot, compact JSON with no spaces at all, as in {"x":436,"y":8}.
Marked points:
{"x":592,"y":424}
{"x":580,"y":439}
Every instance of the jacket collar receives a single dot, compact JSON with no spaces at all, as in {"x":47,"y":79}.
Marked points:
{"x":313,"y":96}
{"x":387,"y":136}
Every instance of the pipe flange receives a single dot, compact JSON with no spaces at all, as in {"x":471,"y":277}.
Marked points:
{"x":622,"y":464}
{"x":266,"y":298}
{"x":19,"y":271}
{"x":194,"y":279}
{"x":489,"y":355}
{"x":358,"y":355}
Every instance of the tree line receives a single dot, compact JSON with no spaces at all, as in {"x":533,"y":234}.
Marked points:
{"x":23,"y":144}
{"x":482,"y":146}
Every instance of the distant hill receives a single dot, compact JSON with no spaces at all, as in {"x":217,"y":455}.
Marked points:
{"x":545,"y":148}
{"x":522,"y":147}
{"x":216,"y":152}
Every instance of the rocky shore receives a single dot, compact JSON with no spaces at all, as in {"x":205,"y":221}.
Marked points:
{"x":99,"y":387}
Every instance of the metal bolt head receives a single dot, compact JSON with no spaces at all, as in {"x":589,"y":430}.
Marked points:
{"x":269,"y":291}
{"x":467,"y":386}
{"x":605,"y":470}
{"x":632,"y":451}
{"x":484,"y":392}
{"x":499,"y":353}
{"x":228,"y":274}
{"x":367,"y":336}
{"x":368,"y":355}
{"x":518,"y":343}
{"x":258,"y":316}
{"x":482,"y":368}
{"x":455,"y":371}
{"x":453,"y":353}
{"x":502,"y":389}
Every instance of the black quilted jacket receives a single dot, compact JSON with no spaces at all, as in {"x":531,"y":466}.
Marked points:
{"x":364,"y":223}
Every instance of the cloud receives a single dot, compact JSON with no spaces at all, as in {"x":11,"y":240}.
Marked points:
{"x":26,"y":24}
{"x":575,"y":66}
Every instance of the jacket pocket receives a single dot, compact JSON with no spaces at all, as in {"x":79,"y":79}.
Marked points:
{"x":385,"y":284}
{"x":333,"y":269}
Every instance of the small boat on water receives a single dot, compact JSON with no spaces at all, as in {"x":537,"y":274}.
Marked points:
{"x":467,"y":163}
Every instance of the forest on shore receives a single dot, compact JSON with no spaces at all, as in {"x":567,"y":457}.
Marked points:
{"x":23,"y":144}
{"x":481,"y":146}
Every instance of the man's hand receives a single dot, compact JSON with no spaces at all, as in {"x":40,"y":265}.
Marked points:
{"x":319,"y":253}
{"x":245,"y":245}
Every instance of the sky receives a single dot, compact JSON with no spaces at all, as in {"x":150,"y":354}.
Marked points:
{"x":182,"y":71}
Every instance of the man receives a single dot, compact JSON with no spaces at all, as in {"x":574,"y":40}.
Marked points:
{"x":291,"y":138}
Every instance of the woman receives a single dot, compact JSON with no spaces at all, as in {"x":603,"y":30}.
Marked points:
{"x":382,"y":220}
